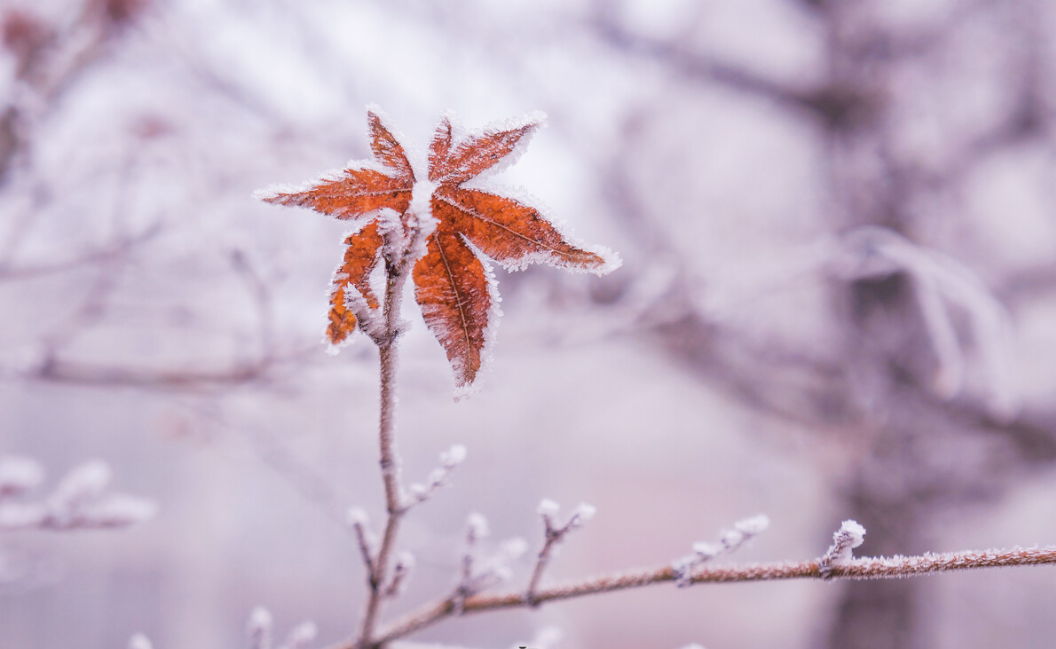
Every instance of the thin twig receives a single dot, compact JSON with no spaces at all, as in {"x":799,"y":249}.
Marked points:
{"x":553,"y":534}
{"x":863,"y":568}
{"x":357,"y":518}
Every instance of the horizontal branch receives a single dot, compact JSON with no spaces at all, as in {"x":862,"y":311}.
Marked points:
{"x":863,"y":568}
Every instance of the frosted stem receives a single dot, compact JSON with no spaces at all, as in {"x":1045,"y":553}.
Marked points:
{"x":396,"y":279}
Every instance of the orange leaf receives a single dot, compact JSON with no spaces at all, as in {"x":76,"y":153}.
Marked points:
{"x":451,"y":285}
{"x":361,"y":257}
{"x":359,"y":192}
{"x":387,"y":150}
{"x":475,"y":155}
{"x":507,"y":231}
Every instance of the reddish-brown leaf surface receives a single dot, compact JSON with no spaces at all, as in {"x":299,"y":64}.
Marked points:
{"x":361,"y":256}
{"x":452,"y":283}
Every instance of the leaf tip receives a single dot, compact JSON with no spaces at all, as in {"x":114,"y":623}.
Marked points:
{"x":274,"y":194}
{"x":608,"y":261}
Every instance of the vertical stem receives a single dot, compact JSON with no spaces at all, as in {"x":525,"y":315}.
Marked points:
{"x":396,"y":277}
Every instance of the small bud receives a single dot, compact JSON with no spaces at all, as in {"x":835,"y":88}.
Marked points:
{"x":478,"y":525}
{"x":731,"y":538}
{"x":258,"y":628}
{"x":707,"y":550}
{"x":454,"y":456}
{"x":356,"y":516}
{"x":584,"y":513}
{"x":853,"y":531}
{"x":548,"y":507}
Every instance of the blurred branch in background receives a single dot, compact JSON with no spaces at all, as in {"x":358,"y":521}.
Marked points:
{"x":839,"y":215}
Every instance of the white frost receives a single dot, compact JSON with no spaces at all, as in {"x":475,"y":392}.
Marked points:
{"x":853,"y":531}
{"x":548,"y":507}
{"x":478,"y":525}
{"x":18,"y":475}
{"x":139,"y":641}
{"x":754,"y":525}
{"x":85,"y":482}
{"x":583,"y":513}
{"x":357,"y":516}
{"x":454,"y":456}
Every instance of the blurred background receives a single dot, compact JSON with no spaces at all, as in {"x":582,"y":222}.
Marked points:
{"x":837,"y":301}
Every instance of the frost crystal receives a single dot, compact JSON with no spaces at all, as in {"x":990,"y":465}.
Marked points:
{"x":548,"y":507}
{"x":844,"y":540}
{"x":853,"y":531}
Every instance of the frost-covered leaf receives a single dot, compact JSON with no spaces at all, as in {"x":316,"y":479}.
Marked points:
{"x":453,"y":284}
{"x":452,"y":288}
{"x":361,"y":256}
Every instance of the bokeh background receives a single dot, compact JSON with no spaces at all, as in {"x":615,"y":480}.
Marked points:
{"x":837,"y":301}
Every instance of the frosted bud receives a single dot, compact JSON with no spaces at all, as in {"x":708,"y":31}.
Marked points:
{"x":548,"y":507}
{"x":849,"y":536}
{"x":514,"y":548}
{"x":139,"y":641}
{"x":83,"y":483}
{"x":731,"y":538}
{"x":454,"y":456}
{"x":754,"y":525}
{"x":405,"y":560}
{"x":418,"y":490}
{"x":301,"y":635}
{"x":258,"y":628}
{"x":584,"y":513}
{"x":18,"y":475}
{"x":388,"y":220}
{"x":853,"y":532}
{"x":478,"y":525}
{"x":707,"y":550}
{"x":356,"y":517}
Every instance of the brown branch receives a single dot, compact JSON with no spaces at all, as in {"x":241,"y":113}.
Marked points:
{"x":863,"y":568}
{"x":397,"y":271}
